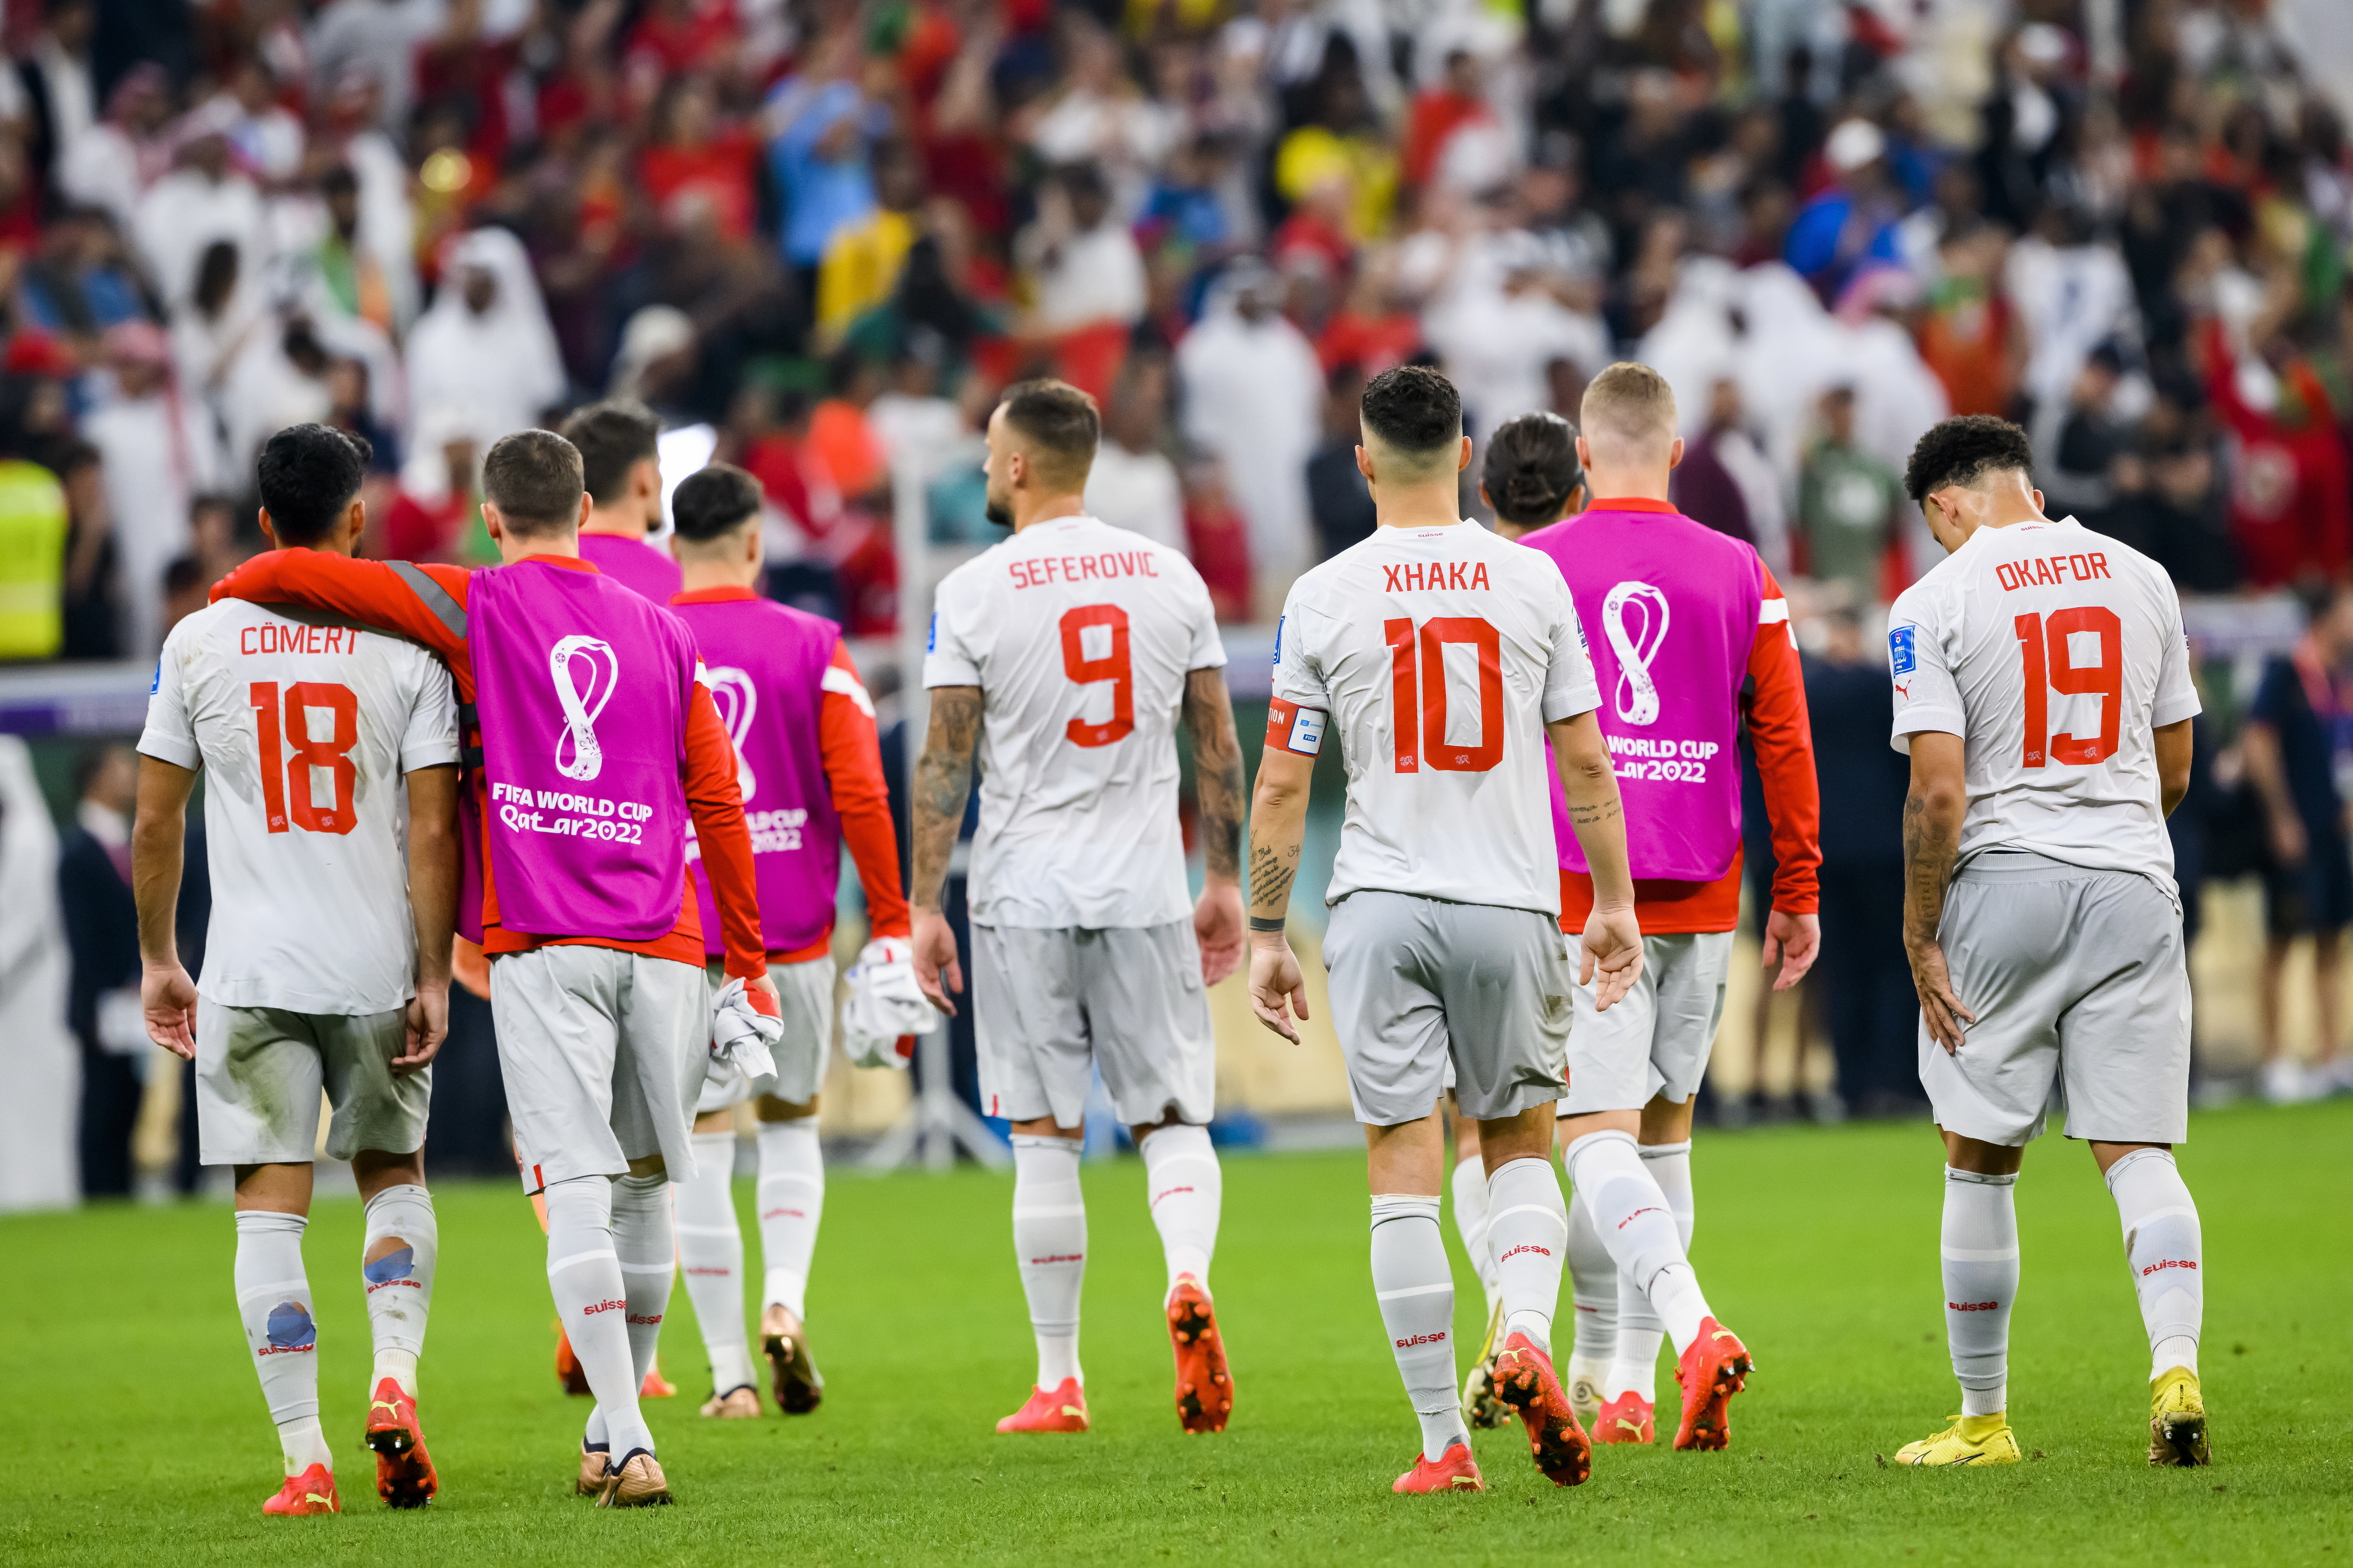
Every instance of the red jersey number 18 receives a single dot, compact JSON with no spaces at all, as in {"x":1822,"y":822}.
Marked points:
{"x":1420,"y":725}
{"x":2050,"y":661}
{"x":334,"y":754}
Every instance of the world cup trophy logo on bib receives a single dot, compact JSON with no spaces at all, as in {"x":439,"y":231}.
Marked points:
{"x":579,"y":735}
{"x":737,"y":699}
{"x":1636,"y":694}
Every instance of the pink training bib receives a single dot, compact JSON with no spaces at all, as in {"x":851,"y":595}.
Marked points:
{"x":765,"y":663}
{"x":1670,"y":608}
{"x":582,"y":687}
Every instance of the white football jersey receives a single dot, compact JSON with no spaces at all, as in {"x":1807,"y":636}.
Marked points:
{"x":1079,"y":635}
{"x":2053,"y":652}
{"x":1439,"y":655}
{"x":305,"y":734}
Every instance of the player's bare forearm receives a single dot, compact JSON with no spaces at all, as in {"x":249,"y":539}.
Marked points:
{"x":2176,"y":747}
{"x":942,"y":786}
{"x":158,"y":848}
{"x":1932,"y":813}
{"x":433,"y":872}
{"x":1218,"y":770}
{"x":1278,"y":825}
{"x":1589,"y":779}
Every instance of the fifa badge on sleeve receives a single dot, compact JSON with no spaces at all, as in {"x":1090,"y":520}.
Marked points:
{"x":1899,"y":650}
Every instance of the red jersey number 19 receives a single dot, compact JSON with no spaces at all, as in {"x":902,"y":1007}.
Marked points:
{"x":1420,"y":725}
{"x":2050,"y":661}
{"x":332,"y":754}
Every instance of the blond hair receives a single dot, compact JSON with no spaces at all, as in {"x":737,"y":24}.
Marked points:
{"x":1628,"y":415}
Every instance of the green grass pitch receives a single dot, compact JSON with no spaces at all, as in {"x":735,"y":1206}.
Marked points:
{"x":134,"y":1432}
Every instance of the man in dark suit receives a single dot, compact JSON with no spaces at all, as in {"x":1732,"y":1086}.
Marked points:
{"x":103,"y":938}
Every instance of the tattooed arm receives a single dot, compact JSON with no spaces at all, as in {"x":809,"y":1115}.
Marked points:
{"x":1217,"y":780}
{"x":1932,"y":811}
{"x":1612,"y":939}
{"x":942,"y":783}
{"x":1278,"y":825}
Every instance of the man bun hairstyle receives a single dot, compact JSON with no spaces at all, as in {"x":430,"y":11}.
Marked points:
{"x":1058,"y":426}
{"x":1531,"y":469}
{"x":533,"y":476}
{"x":1414,"y":412}
{"x":712,"y":503}
{"x":308,"y":474}
{"x":1631,"y":404}
{"x":613,"y":437}
{"x":1964,"y":451}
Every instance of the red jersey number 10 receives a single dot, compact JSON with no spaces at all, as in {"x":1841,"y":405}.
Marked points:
{"x":1421,"y":716}
{"x":282,"y":777}
{"x":2050,"y":660}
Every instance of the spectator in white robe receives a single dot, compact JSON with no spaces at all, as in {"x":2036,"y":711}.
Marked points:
{"x":486,"y":343}
{"x":38,"y":1059}
{"x":158,"y":452}
{"x":204,"y":198}
{"x":111,"y":164}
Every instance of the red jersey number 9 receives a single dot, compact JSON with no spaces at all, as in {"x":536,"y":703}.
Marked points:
{"x":1114,"y":665}
{"x":333,"y":753}
{"x":1420,"y":727}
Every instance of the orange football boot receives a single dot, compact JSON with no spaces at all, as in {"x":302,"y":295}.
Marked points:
{"x":568,"y":1370}
{"x":313,"y":1491}
{"x":1524,"y":1380}
{"x":1453,"y":1471}
{"x":1712,"y":1371}
{"x":656,"y":1386}
{"x":1065,"y":1409}
{"x":1205,"y":1389}
{"x":1629,"y":1418}
{"x":404,"y":1470}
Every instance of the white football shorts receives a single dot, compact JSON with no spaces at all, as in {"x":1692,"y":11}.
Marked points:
{"x":259,"y":1071}
{"x":1656,"y":1038}
{"x":1050,"y":1005}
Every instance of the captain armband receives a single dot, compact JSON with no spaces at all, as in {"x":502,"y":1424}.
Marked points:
{"x":1294,"y":728}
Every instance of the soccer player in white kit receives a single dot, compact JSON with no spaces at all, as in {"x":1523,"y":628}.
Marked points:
{"x":331,"y":822}
{"x":2043,"y":690}
{"x":1442,"y":657}
{"x":1066,"y":655}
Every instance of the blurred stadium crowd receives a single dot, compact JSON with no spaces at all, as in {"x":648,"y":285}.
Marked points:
{"x":829,"y":230}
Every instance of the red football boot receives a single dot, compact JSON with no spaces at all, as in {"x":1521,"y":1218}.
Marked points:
{"x":313,"y":1491}
{"x":1629,"y":1418}
{"x":1524,"y":1380}
{"x":1062,"y":1409}
{"x":1712,"y":1371}
{"x":656,"y":1386}
{"x":1205,"y":1389}
{"x":568,"y":1370}
{"x":404,"y":1470}
{"x":1453,"y":1471}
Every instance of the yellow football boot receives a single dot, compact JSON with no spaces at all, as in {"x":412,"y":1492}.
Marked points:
{"x":1969,"y":1440}
{"x":2177,"y":1420}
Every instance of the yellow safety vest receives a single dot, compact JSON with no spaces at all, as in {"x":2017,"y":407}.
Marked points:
{"x":32,"y":560}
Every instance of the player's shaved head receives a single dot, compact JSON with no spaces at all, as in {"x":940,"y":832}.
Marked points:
{"x":711,"y":506}
{"x":1969,"y":452}
{"x":533,"y":477}
{"x":1056,"y":427}
{"x":1412,"y":419}
{"x":1628,"y":417}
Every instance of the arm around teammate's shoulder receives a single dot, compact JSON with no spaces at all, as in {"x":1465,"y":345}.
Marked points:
{"x":424,"y":603}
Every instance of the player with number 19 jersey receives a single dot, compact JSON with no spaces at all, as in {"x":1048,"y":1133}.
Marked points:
{"x":2054,"y":651}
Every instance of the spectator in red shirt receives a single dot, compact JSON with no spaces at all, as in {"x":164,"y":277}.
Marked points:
{"x":1437,"y":113}
{"x":694,"y":159}
{"x":2291,"y":510}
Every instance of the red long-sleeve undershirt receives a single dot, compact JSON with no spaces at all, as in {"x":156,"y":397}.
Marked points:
{"x":1775,"y":711}
{"x":384,"y":594}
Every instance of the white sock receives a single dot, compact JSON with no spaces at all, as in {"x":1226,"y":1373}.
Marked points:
{"x":396,"y":1266}
{"x":2164,"y":1247}
{"x":1049,"y":1242}
{"x":1415,"y":1287}
{"x":1527,"y":1231}
{"x":1593,"y":1290}
{"x":647,"y":1246}
{"x":584,"y":1274}
{"x":1639,"y":1329}
{"x":711,"y":1257}
{"x":1186,"y":1187}
{"x":281,"y":1330}
{"x":1470,"y":1184}
{"x":1979,"y":1243}
{"x":791,"y":1202}
{"x":1638,"y":1228}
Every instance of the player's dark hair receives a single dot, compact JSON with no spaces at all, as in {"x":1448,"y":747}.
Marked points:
{"x":713,"y":502}
{"x":1532,"y":469}
{"x":1059,"y":423}
{"x":308,"y":474}
{"x":613,"y":438}
{"x":533,"y":476}
{"x":1413,"y":411}
{"x":1963,"y":451}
